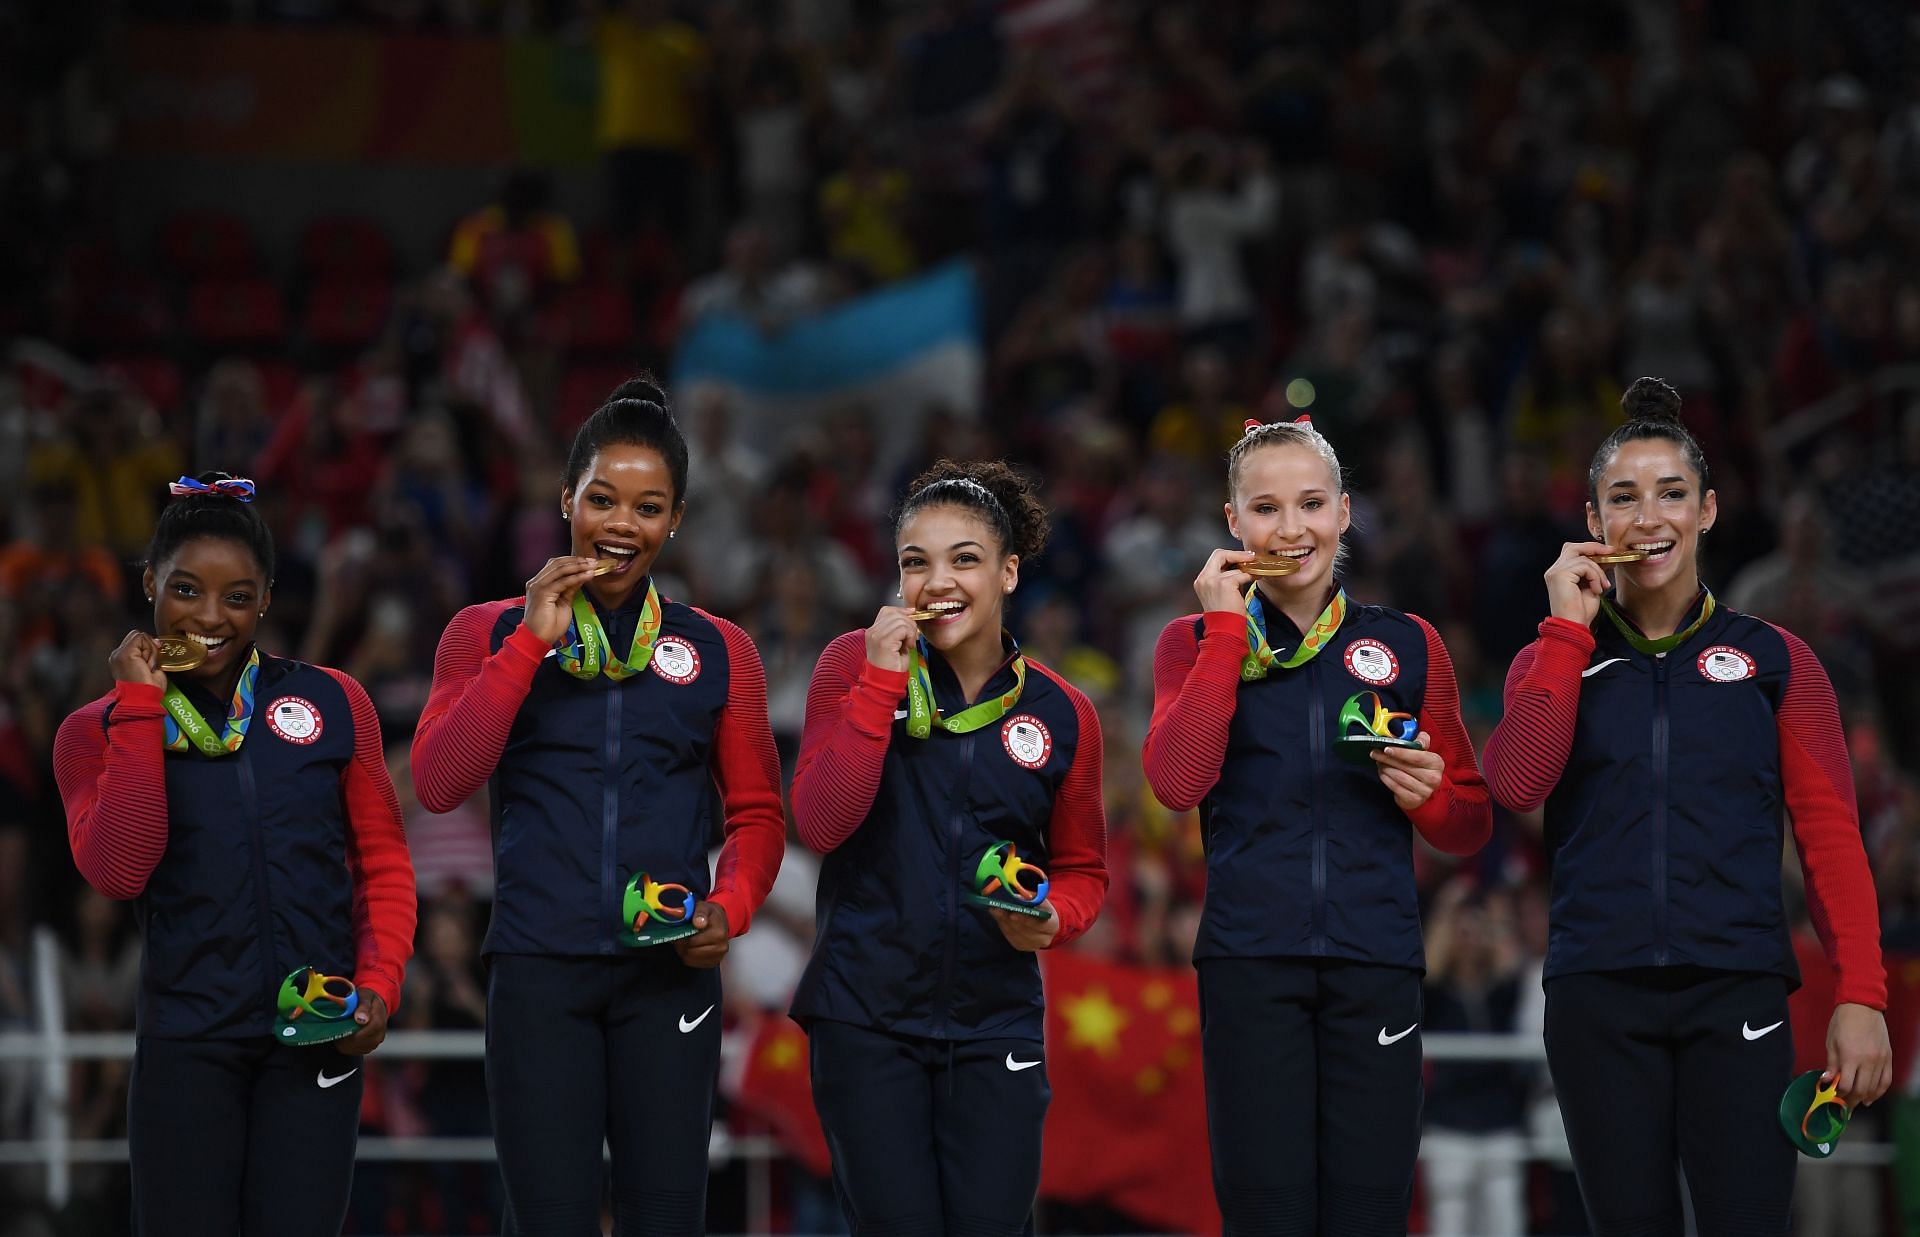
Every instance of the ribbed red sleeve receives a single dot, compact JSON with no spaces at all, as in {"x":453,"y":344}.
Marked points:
{"x":1077,"y":830}
{"x":385,"y":902}
{"x":746,"y":769}
{"x":1818,"y":782}
{"x":113,"y":783}
{"x":843,"y":746}
{"x":1194,"y":693}
{"x":471,"y":708}
{"x":1458,"y":817}
{"x":1529,"y":748}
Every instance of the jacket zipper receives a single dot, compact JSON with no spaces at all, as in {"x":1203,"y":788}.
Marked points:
{"x":1317,"y":745}
{"x":610,"y":824}
{"x":1660,"y":811}
{"x":956,"y":821}
{"x":250,"y":803}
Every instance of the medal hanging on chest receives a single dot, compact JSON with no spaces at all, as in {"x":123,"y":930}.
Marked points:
{"x":1260,"y":656}
{"x":1665,"y":644}
{"x":186,"y":729}
{"x":923,"y":715}
{"x":587,"y":651}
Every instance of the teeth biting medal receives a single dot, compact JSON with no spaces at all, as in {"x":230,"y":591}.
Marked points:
{"x":1263,"y":568}
{"x":1614,"y":558}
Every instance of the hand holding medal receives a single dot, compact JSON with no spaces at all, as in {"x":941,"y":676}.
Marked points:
{"x":1222,"y":583}
{"x":1576,"y":581}
{"x":551,"y":592}
{"x":138,"y":660}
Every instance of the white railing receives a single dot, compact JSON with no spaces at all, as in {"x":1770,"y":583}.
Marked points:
{"x":54,"y":1049}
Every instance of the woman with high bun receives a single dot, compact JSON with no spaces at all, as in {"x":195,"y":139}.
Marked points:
{"x":241,"y":801}
{"x":1670,"y":740}
{"x":1316,"y":735}
{"x":612,"y":725}
{"x":938,"y":767}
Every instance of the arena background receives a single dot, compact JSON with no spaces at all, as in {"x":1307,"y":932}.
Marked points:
{"x":384,"y":255}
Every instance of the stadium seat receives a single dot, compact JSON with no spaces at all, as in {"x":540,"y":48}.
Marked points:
{"x":128,"y":309}
{"x":202,"y":245}
{"x":156,"y":377}
{"x":337,"y":247}
{"x":583,"y":389}
{"x":236,"y":313}
{"x":597,"y":319}
{"x":347,"y":312}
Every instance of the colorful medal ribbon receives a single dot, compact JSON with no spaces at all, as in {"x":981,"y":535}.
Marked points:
{"x":185,"y":726}
{"x":922,"y":716}
{"x":1260,"y":656}
{"x":586,"y":650}
{"x":1665,"y":644}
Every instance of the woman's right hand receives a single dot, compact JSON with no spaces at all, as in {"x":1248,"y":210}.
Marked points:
{"x":890,"y":639}
{"x":550,"y":595}
{"x":1575,"y":582}
{"x":137,"y":660}
{"x":1221,"y":585}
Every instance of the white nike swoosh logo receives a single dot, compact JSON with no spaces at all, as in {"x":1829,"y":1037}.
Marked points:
{"x":1590,"y":671}
{"x":326,"y":1082}
{"x":898,"y":714}
{"x":1017,"y":1066}
{"x":686,"y":1026}
{"x":1386,"y":1039}
{"x":1750,"y":1033}
{"x":551,"y":653}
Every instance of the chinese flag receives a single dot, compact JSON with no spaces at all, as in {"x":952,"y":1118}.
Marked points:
{"x":778,"y":1087}
{"x":1128,"y":1126}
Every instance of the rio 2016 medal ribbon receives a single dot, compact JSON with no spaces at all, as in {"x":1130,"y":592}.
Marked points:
{"x":1003,"y":879}
{"x":314,"y":1008}
{"x":1367,"y":725}
{"x":654,"y":912}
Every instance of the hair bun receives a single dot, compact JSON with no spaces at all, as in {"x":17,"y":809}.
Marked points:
{"x":642,"y":386}
{"x":1651,"y":399}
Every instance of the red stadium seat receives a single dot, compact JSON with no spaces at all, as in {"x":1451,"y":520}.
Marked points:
{"x":155,"y":377}
{"x":127,"y":309}
{"x":236,"y":313}
{"x":346,"y":247}
{"x":598,"y":318}
{"x":583,"y":389}
{"x":347,"y":312}
{"x":279,"y":384}
{"x":208,"y":245}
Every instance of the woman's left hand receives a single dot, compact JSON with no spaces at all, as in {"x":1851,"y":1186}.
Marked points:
{"x":1412,"y":774}
{"x":704,"y":949}
{"x":371,"y":1014}
{"x":1859,"y":1058}
{"x":1027,"y":932}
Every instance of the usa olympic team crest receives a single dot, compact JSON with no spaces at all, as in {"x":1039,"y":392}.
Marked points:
{"x":675,"y":661}
{"x":295,"y":719}
{"x":1027,"y":740}
{"x":1372,"y":663}
{"x":1725,"y":664}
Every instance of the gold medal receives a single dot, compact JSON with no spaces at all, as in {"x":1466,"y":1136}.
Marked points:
{"x":178,"y":653}
{"x":605,"y":565}
{"x":1267,"y":568}
{"x":1615,"y":558}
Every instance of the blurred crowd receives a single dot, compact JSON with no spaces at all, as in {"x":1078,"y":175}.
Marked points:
{"x":1451,"y":233}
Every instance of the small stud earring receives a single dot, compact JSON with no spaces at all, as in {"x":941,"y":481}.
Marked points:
{"x":566,"y":515}
{"x":672,"y":533}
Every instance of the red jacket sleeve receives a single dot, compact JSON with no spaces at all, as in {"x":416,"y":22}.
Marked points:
{"x":112,"y":775}
{"x":384,"y":896}
{"x":1194,"y":693}
{"x":1077,"y":831}
{"x":1818,"y":784}
{"x":1457,"y":818}
{"x":471,"y":708}
{"x":843,"y":746}
{"x":746,"y":769}
{"x":1529,"y":748}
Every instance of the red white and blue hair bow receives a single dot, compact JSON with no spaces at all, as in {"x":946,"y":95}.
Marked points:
{"x":232,"y":487}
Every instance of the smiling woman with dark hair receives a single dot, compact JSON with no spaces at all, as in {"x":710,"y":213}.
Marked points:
{"x":242,"y":800}
{"x":604,"y":716}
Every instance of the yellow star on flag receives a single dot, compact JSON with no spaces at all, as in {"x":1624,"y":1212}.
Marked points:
{"x":1094,"y":1021}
